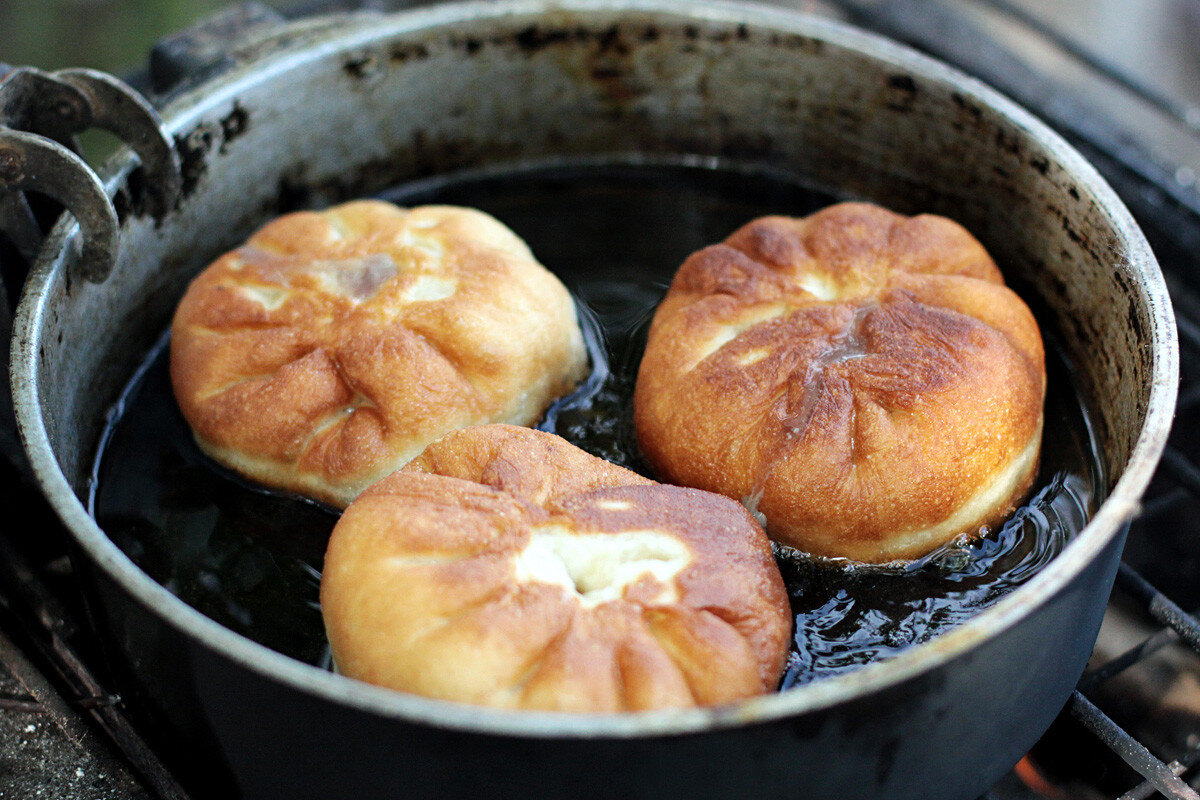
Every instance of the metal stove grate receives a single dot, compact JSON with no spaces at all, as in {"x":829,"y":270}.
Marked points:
{"x":1177,"y":626}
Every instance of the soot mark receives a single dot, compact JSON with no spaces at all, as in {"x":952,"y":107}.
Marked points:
{"x":534,"y":38}
{"x":966,"y":106}
{"x":358,"y":68}
{"x":195,"y":146}
{"x":406,"y":53}
{"x":904,"y":93}
{"x":193,"y":149}
{"x":233,"y":125}
{"x":1008,"y":143}
{"x":795,"y":41}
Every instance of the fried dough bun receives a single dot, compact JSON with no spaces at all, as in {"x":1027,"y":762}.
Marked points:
{"x":333,"y":346}
{"x":862,"y":379}
{"x":505,"y":567}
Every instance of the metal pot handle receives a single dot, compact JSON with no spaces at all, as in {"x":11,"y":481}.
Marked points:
{"x":40,"y":115}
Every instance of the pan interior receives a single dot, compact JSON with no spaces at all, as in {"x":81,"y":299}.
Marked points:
{"x":614,"y":233}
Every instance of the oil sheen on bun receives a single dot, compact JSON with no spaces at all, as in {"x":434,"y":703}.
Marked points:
{"x":505,"y":567}
{"x":333,"y":346}
{"x":863,"y":379}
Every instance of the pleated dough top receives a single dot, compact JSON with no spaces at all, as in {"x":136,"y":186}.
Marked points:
{"x":505,"y":567}
{"x":862,"y":379}
{"x":333,"y":346}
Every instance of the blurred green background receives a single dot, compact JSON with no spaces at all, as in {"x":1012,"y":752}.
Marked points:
{"x":113,"y":35}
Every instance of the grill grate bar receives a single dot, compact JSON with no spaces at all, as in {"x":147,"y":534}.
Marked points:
{"x":1162,"y":609}
{"x":1132,"y":752}
{"x":1146,"y":788}
{"x":1179,"y":627}
{"x":50,"y":629}
{"x":1127,"y":659}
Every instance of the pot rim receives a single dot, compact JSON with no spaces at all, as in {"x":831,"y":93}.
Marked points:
{"x":312,"y":40}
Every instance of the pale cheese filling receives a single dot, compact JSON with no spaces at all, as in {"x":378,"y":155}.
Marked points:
{"x":596,"y":568}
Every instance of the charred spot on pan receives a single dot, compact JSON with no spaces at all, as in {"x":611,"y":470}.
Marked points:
{"x":1007,"y":143}
{"x":1041,"y":164}
{"x":1083,"y":241}
{"x":137,"y":196}
{"x":1052,"y":210}
{"x":610,"y":41}
{"x":966,"y":107}
{"x":793,"y":41}
{"x":1073,"y":192}
{"x":533,"y":38}
{"x":404,"y":54}
{"x":233,"y":125}
{"x":193,"y":149}
{"x":650,"y":34}
{"x":903,"y":91}
{"x":1133,"y":320}
{"x":609,"y":73}
{"x":132,"y":197}
{"x":358,"y":68}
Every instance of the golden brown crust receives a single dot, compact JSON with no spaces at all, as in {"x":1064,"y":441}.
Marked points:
{"x":864,"y":379}
{"x":505,"y":567}
{"x":333,"y":346}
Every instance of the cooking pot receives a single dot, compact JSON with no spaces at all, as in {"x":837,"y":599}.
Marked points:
{"x":326,"y":109}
